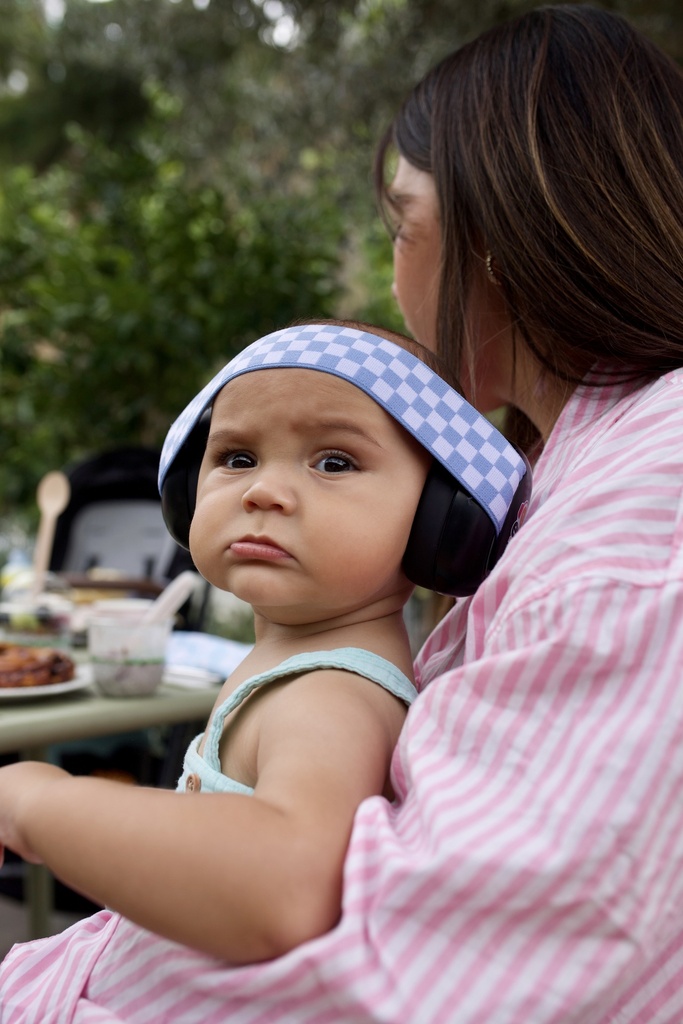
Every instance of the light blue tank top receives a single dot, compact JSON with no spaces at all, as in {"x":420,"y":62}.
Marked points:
{"x":206,"y":767}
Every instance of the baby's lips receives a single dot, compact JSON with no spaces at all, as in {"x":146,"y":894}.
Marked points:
{"x":263,"y":550}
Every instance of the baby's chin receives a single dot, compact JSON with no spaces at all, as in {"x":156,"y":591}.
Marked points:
{"x":317,"y":618}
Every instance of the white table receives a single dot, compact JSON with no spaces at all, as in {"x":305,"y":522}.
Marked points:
{"x":30,"y":727}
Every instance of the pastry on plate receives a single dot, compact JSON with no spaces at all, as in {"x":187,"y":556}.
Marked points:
{"x":33,"y":666}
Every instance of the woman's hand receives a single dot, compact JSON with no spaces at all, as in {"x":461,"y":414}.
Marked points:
{"x":18,"y":783}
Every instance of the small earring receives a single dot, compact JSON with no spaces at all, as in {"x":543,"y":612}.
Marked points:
{"x":493,"y":277}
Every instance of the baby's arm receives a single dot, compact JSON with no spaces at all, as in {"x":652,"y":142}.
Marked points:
{"x":241,"y":877}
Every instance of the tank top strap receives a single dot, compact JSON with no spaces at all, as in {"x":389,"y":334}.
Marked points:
{"x":351,"y":659}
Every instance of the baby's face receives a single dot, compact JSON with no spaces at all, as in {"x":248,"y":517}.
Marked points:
{"x":306,"y":497}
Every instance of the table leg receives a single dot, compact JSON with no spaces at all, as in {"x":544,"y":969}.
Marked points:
{"x":38,"y":880}
{"x":39,"y":889}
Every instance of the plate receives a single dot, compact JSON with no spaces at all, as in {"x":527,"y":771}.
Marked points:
{"x":82,"y":679}
{"x":191,"y":678}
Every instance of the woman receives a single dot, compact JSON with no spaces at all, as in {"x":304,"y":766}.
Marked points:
{"x":538,"y":238}
{"x":530,"y":869}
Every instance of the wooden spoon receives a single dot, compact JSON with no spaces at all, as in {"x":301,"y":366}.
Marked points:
{"x":53,"y":494}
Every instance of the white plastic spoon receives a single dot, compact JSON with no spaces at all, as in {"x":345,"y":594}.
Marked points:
{"x":52,"y":496}
{"x":172,"y":598}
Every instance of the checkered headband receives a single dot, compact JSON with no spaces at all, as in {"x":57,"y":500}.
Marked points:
{"x":452,"y":430}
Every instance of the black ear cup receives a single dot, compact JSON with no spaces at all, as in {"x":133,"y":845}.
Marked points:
{"x":453,"y":543}
{"x":179,"y":491}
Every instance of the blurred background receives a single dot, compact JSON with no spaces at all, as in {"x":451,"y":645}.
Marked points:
{"x":179,"y":177}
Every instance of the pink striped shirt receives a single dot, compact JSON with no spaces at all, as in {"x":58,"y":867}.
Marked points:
{"x":531,"y":870}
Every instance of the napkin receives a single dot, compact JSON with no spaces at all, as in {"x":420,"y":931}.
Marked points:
{"x":215,"y":656}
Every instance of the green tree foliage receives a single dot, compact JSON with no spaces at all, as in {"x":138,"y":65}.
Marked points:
{"x":180,"y":176}
{"x":124,"y":284}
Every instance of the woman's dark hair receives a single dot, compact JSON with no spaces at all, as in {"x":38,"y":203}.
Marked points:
{"x":556,"y":143}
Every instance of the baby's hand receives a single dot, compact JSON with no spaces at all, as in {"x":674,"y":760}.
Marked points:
{"x":19,"y":783}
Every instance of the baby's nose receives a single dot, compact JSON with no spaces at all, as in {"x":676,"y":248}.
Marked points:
{"x":269,"y":491}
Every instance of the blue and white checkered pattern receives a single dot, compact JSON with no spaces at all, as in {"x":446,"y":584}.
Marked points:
{"x":459,"y":437}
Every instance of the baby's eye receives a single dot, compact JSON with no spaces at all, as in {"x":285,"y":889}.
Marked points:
{"x":335,"y":462}
{"x":239,"y":460}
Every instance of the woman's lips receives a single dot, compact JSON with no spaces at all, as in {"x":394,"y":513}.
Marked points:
{"x":264,"y":550}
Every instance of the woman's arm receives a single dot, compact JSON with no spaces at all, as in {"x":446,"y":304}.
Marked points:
{"x":241,"y":877}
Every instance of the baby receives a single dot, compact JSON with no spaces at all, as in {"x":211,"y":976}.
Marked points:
{"x":336,"y":468}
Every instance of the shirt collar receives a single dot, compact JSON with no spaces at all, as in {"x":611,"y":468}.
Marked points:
{"x":592,"y":403}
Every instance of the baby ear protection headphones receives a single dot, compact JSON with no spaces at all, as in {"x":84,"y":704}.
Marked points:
{"x":477,"y":490}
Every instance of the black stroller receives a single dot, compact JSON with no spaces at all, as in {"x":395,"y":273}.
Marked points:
{"x":113,"y":522}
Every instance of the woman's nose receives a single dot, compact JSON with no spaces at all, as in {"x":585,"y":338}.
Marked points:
{"x":269,"y":491}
